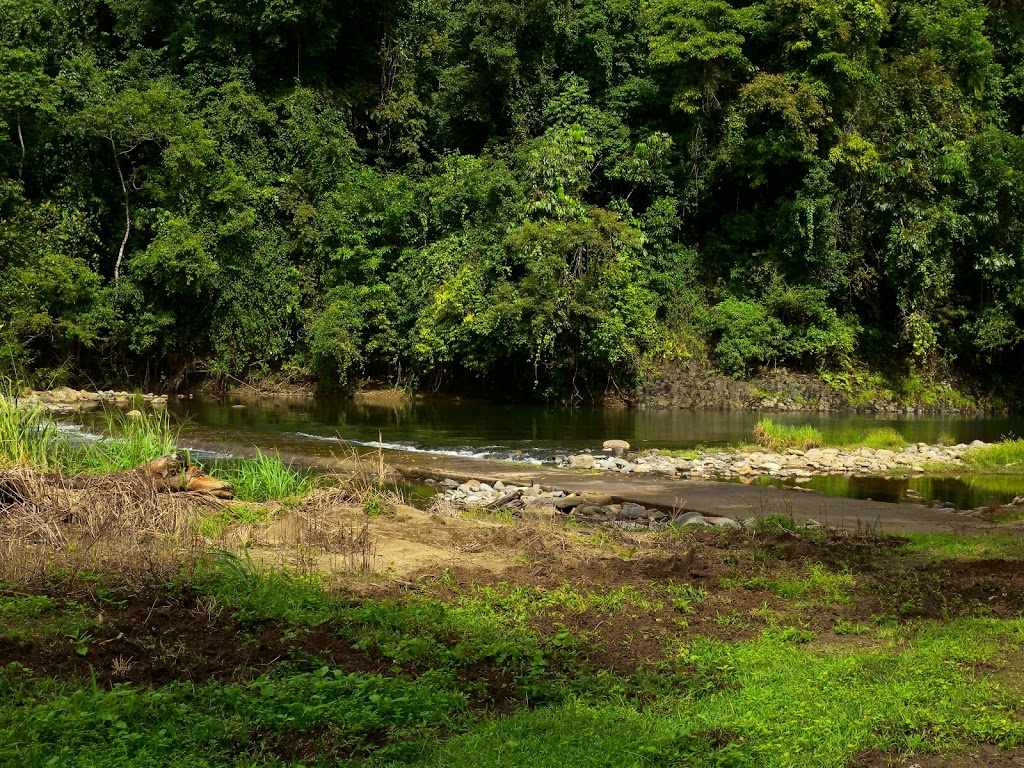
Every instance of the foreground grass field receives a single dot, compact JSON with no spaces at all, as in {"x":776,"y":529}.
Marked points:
{"x":702,"y":649}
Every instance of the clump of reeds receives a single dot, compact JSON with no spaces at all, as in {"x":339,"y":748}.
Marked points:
{"x":266,"y":478}
{"x":779,"y":437}
{"x":29,"y":438}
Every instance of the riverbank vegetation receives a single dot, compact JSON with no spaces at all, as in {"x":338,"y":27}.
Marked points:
{"x":534,"y":198}
{"x":342,"y":626}
{"x":779,"y":437}
{"x":30,"y":438}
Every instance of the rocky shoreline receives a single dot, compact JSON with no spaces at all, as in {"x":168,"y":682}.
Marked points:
{"x":792,"y":464}
{"x":64,"y":400}
{"x":602,"y":509}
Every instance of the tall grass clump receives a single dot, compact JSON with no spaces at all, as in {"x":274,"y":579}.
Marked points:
{"x":778,"y":437}
{"x":879,"y":437}
{"x":28,"y":439}
{"x":884,"y":437}
{"x":127,"y":443}
{"x":265,"y":478}
{"x":1008,"y":454}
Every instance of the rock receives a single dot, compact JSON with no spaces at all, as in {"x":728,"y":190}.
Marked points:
{"x":449,"y":483}
{"x":690,"y":518}
{"x":567,"y":503}
{"x":133,"y":414}
{"x":499,"y":486}
{"x":616,"y":446}
{"x":581,"y":461}
{"x":722,"y":522}
{"x":632,"y":512}
{"x":590,"y":511}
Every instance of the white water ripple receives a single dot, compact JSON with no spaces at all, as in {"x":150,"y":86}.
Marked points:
{"x":489,"y":452}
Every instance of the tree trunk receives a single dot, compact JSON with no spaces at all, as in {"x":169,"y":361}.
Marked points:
{"x":127,"y":217}
{"x":21,"y":143}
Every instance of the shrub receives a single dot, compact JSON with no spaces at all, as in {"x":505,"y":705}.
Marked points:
{"x":748,"y":335}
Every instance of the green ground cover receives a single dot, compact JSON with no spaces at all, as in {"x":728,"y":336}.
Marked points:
{"x":792,"y":671}
{"x":779,"y":437}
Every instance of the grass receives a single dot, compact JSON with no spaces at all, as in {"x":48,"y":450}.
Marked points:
{"x":265,"y":478}
{"x":1008,"y":454}
{"x":29,"y":438}
{"x":779,"y":437}
{"x":769,"y":704}
{"x":216,"y":525}
{"x":775,"y":697}
{"x":819,"y":583}
{"x":26,"y":617}
{"x":1006,"y":545}
{"x":879,"y":438}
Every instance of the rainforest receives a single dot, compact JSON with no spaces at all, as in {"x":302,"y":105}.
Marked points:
{"x":542,"y":198}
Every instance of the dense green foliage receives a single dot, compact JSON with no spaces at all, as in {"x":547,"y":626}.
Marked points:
{"x":542,"y":195}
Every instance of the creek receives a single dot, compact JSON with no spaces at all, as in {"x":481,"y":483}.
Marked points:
{"x":320,"y":427}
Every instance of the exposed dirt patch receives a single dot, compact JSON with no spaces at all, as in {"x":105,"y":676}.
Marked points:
{"x":976,"y":756}
{"x":948,"y":589}
{"x":152,"y":638}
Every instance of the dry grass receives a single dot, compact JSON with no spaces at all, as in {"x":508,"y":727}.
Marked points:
{"x":120,"y":522}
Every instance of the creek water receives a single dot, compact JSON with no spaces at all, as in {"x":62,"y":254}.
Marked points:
{"x":321,"y":426}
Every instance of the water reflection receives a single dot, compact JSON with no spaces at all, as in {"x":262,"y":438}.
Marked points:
{"x":446,"y":424}
{"x":961,"y":491}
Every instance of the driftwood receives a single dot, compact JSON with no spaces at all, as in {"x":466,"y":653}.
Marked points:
{"x":512,"y":501}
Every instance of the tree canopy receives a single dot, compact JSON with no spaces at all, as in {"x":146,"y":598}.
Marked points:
{"x":546,"y":195}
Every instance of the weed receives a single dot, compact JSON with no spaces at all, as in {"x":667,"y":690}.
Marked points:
{"x":846,"y":627}
{"x":216,"y":525}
